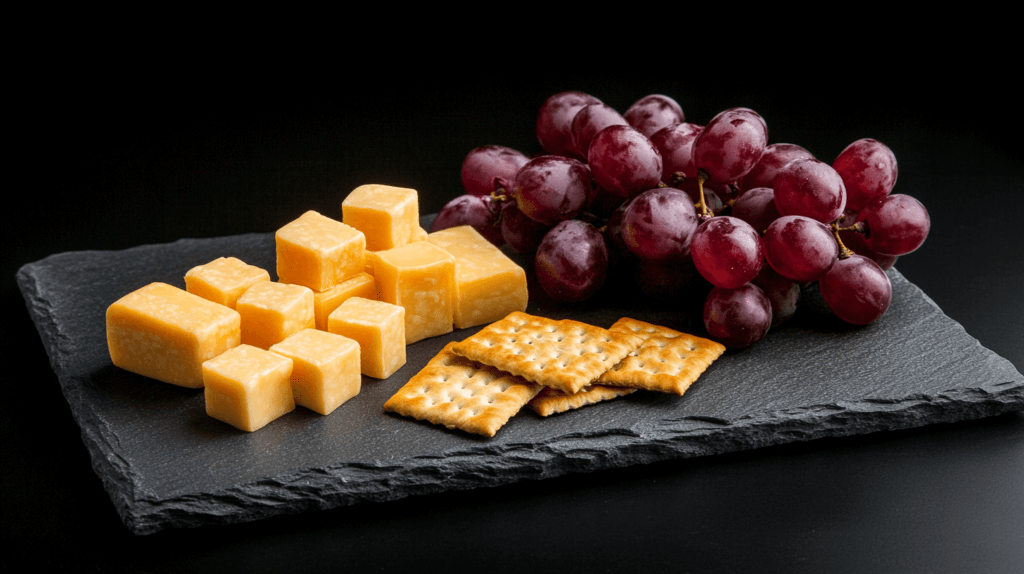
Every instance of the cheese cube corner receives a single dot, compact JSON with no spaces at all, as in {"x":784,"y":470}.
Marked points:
{"x":223,"y":280}
{"x":272,"y":311}
{"x":248,"y":387}
{"x":362,"y":285}
{"x":378,"y":327}
{"x":165,"y":333}
{"x":421,"y":278}
{"x":389,"y":216}
{"x":326,"y":370}
{"x":318,"y":252}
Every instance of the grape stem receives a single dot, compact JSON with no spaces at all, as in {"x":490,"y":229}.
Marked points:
{"x":859,"y":227}
{"x":499,"y":195}
{"x":702,"y":176}
{"x":844,"y":251}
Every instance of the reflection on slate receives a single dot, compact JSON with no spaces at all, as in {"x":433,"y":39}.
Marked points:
{"x":166,"y":464}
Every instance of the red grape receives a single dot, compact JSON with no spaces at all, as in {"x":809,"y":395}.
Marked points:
{"x":776,"y":157}
{"x":727,"y":251}
{"x":737,"y":317}
{"x":623,"y":161}
{"x":519,"y":231}
{"x":476,"y":210}
{"x":675,"y":144}
{"x":589,"y":121}
{"x":783,"y":293}
{"x":757,"y":207}
{"x":552,"y":188}
{"x":800,"y":248}
{"x":868,"y":169}
{"x":652,"y":113}
{"x":554,"y":122}
{"x":896,"y":224}
{"x":856,"y":290}
{"x":810,"y":188}
{"x":730,"y":145}
{"x":489,"y":168}
{"x":657,"y":225}
{"x":572,"y":261}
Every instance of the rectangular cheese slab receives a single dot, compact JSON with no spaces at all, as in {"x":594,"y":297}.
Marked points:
{"x":388,"y":216}
{"x":421,"y":278}
{"x":165,"y":333}
{"x":488,"y":285}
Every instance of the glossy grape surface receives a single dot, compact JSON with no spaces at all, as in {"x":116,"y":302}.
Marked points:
{"x":737,"y":317}
{"x":854,"y":241}
{"x":519,"y":231}
{"x":868,"y":169}
{"x":784,"y":294}
{"x":658,"y":224}
{"x":856,"y":290}
{"x":757,"y":207}
{"x":551,"y":188}
{"x":675,"y":144}
{"x":776,"y":157}
{"x":478,"y":211}
{"x":810,"y":188}
{"x":730,"y":145}
{"x":572,"y":261}
{"x":652,"y":113}
{"x":727,"y":251}
{"x":896,"y":224}
{"x":623,"y":161}
{"x":800,"y":248}
{"x":491,"y":167}
{"x":554,"y":121}
{"x":589,"y":121}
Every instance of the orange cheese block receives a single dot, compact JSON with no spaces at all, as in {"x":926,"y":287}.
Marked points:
{"x":248,"y":387}
{"x":420,"y":277}
{"x":388,"y":215}
{"x":162,"y":332}
{"x":378,"y":327}
{"x":362,"y":285}
{"x":272,"y":311}
{"x":326,"y":369}
{"x":319,"y":252}
{"x":488,"y":285}
{"x":223,"y":280}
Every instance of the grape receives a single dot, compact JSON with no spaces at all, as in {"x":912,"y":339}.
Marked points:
{"x":868,"y":169}
{"x":783,"y":293}
{"x":727,"y":251}
{"x":489,"y":168}
{"x":713,"y":193}
{"x":855,"y":242}
{"x":572,"y":261}
{"x":737,"y":317}
{"x":589,"y":121}
{"x":476,"y":210}
{"x":776,"y":157}
{"x":552,"y":188}
{"x":730,"y":145}
{"x":810,"y":188}
{"x":519,"y":231}
{"x":675,"y":144}
{"x":800,"y":248}
{"x":652,"y":113}
{"x":623,"y":161}
{"x":657,"y":225}
{"x":856,"y":290}
{"x":896,"y":224}
{"x":554,"y":122}
{"x":757,"y":207}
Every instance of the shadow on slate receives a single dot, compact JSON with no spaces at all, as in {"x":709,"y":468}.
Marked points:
{"x":165,"y":463}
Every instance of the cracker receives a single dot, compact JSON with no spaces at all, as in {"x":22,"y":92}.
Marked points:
{"x":668,"y":361}
{"x":565,"y":355}
{"x":459,"y":393}
{"x":550,"y":401}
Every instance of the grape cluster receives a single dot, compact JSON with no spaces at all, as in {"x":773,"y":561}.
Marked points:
{"x":680,"y":203}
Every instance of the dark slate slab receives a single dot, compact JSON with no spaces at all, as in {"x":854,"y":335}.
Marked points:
{"x":166,"y":464}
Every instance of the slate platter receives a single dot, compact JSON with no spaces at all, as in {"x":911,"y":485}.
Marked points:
{"x":166,"y":464}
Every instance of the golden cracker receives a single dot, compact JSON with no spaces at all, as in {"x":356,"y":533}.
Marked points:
{"x":565,"y":355}
{"x":549,"y":401}
{"x":459,"y":393}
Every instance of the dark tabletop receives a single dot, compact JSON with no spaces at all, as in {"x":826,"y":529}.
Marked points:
{"x":142,"y":161}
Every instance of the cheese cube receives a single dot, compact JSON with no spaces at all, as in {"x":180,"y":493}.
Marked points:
{"x":419,"y":234}
{"x":223,"y":280}
{"x":272,"y":311}
{"x":362,"y":285}
{"x":387,"y":215}
{"x":248,"y":387}
{"x":488,"y":285}
{"x":162,"y":332}
{"x":319,"y":252}
{"x":378,"y":327}
{"x":420,"y":277}
{"x":325,"y":370}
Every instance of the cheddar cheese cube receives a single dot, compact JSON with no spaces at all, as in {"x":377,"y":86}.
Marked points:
{"x":165,"y":333}
{"x":488,"y":285}
{"x":387,"y":215}
{"x":419,"y":234}
{"x":248,"y":387}
{"x":318,"y":252}
{"x":421,"y":278}
{"x":325,"y":371}
{"x":362,"y":285}
{"x":223,"y":280}
{"x":378,"y":327}
{"x":272,"y":311}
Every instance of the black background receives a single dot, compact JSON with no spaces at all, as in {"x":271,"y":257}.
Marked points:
{"x":119,"y":155}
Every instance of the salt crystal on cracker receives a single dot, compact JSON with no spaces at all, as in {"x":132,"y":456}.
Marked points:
{"x":459,"y":393}
{"x":565,"y":355}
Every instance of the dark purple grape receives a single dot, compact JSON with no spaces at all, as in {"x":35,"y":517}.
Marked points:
{"x":856,"y":290}
{"x":489,"y":168}
{"x":730,"y":145}
{"x":652,"y":113}
{"x":854,"y":241}
{"x":896,"y":224}
{"x":675,"y":144}
{"x":727,"y":251}
{"x":589,"y":121}
{"x":572,"y":261}
{"x":868,"y":169}
{"x":623,"y":161}
{"x":552,"y":188}
{"x":800,"y":248}
{"x":757,"y":207}
{"x":519,"y":231}
{"x":776,"y":157}
{"x":737,"y":317}
{"x":783,"y":293}
{"x":810,"y":188}
{"x":554,"y":122}
{"x":657,"y":225}
{"x":476,"y":210}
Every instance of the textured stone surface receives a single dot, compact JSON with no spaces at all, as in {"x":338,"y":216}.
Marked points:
{"x":167,"y":464}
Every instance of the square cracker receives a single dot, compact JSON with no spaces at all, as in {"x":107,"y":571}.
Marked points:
{"x":668,"y":361}
{"x":459,"y":393}
{"x":565,"y":355}
{"x":549,"y":401}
